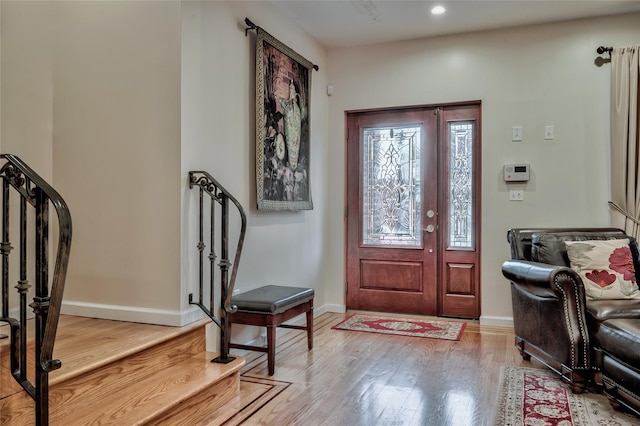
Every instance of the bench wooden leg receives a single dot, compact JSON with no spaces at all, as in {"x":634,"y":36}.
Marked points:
{"x":310,"y":328}
{"x":271,"y":349}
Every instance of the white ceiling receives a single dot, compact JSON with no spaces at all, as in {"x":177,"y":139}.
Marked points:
{"x":341,"y":23}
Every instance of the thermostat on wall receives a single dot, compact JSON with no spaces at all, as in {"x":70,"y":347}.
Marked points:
{"x":516,"y":172}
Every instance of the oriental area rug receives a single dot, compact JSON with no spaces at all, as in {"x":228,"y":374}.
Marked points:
{"x":532,"y":396}
{"x":446,"y":330}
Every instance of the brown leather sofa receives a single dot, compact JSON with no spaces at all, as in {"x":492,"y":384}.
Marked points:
{"x":587,"y":342}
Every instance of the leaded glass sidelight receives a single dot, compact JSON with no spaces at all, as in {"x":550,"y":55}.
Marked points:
{"x":391,"y":186}
{"x":461,"y":185}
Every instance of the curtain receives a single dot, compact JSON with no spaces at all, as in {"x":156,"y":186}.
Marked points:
{"x":625,"y":144}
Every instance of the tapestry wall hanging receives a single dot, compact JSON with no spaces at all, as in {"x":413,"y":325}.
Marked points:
{"x":283,"y":98}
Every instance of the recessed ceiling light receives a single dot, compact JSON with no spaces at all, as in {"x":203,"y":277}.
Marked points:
{"x":438,"y":10}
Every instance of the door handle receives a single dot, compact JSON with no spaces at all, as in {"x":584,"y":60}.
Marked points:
{"x":429,"y":228}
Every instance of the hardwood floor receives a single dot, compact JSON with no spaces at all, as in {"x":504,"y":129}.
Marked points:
{"x":356,"y":378}
{"x":348,"y":379}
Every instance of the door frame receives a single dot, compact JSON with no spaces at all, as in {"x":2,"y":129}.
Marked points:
{"x":448,"y":265}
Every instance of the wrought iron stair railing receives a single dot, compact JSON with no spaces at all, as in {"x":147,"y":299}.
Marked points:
{"x":219,"y":199}
{"x":33,"y":191}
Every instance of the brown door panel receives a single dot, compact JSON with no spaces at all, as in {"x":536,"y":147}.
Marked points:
{"x":401,"y":262}
{"x":393,"y":276}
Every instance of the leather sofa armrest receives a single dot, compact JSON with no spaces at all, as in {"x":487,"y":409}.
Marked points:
{"x":542,"y":279}
{"x":546,"y":294}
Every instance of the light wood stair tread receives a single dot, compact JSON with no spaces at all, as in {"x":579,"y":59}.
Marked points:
{"x":109,"y":341}
{"x":122,"y":373}
{"x":136,"y":400}
{"x":85,"y":344}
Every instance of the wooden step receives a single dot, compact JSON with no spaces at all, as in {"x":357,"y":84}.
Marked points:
{"x":129,"y":374}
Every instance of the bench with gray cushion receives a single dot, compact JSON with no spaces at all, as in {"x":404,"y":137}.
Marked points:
{"x":270,"y":306}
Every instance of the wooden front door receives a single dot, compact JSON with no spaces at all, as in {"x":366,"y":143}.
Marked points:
{"x":405,"y":168}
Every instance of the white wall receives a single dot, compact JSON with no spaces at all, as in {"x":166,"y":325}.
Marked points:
{"x":26,"y":103}
{"x":528,"y":76}
{"x":117,"y":153}
{"x":91,"y":100}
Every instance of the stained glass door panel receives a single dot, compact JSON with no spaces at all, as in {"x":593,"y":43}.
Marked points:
{"x":460,"y":185}
{"x":460,"y":261}
{"x":391,"y":208}
{"x":392,"y":168}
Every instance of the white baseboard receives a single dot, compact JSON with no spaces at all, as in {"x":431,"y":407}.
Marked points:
{"x":133,"y":313}
{"x":193,"y":313}
{"x":336,"y":309}
{"x":158,"y":316}
{"x":497,"y":321}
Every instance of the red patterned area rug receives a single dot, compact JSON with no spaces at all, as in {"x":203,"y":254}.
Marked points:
{"x":537,"y":397}
{"x":447,"y":330}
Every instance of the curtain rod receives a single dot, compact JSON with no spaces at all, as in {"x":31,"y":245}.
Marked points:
{"x":252,"y":26}
{"x":603,"y":49}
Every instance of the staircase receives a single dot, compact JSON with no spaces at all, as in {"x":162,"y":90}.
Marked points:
{"x":114,"y":372}
{"x":120,"y":373}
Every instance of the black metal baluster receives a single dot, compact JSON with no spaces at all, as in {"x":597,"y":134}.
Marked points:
{"x":40,"y":303}
{"x":201,"y":247}
{"x":5,"y":249}
{"x":212,"y":255}
{"x":23,"y":287}
{"x":225,"y":331}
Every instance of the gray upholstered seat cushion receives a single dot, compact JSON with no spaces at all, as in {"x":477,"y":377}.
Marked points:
{"x":271,"y":299}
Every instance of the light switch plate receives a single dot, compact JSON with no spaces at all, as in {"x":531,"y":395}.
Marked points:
{"x":516,"y":133}
{"x":516,"y":194}
{"x":548,"y":132}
